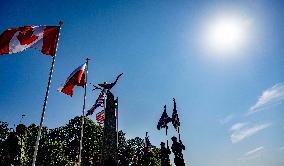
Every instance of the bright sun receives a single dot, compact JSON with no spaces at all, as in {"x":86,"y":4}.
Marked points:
{"x":226,"y":34}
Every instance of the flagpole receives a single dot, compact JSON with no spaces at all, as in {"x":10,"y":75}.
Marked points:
{"x":178,"y":134}
{"x":165,"y":108}
{"x":175,"y":111}
{"x":117,"y":122}
{"x":45,"y":99}
{"x":117,"y":129}
{"x":83,"y":112}
{"x":167,"y":135}
{"x":105,"y":100}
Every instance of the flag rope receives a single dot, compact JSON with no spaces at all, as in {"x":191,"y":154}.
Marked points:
{"x":45,"y":99}
{"x":83,"y":112}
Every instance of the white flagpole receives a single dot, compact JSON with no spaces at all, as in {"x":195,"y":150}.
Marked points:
{"x":45,"y":100}
{"x":83,"y":112}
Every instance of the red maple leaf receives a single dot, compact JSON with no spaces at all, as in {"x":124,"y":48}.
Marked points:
{"x":26,"y":35}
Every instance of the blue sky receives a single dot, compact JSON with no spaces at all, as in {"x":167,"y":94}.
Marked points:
{"x":230,"y":103}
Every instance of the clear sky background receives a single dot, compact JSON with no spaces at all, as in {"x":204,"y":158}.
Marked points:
{"x":229,"y":97}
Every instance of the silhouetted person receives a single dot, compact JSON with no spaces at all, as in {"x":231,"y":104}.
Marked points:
{"x":177,"y":148}
{"x":164,"y":153}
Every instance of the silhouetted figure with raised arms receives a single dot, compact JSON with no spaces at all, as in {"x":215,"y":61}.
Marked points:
{"x":177,"y":148}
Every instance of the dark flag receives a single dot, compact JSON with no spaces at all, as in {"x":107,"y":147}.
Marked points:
{"x":175,"y":118}
{"x":99,"y":103}
{"x":164,"y":120}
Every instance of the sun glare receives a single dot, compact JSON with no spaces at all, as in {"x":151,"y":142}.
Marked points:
{"x":226,"y":34}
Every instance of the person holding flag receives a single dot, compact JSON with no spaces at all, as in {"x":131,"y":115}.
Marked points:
{"x":165,"y":155}
{"x":147,"y":152}
{"x":177,"y":148}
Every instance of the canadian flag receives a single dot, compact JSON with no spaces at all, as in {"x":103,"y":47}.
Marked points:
{"x":43,"y":38}
{"x":76,"y":78}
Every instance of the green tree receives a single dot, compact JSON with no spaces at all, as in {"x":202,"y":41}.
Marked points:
{"x":60,"y":146}
{"x":92,"y":140}
{"x":156,"y":156}
{"x":124,"y":152}
{"x":134,"y":144}
{"x":4,"y":133}
{"x":11,"y":150}
{"x":29,"y":145}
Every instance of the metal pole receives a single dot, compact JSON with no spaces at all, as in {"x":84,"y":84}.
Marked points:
{"x":178,"y":134}
{"x":43,"y":111}
{"x":105,"y":99}
{"x":45,"y":101}
{"x":83,"y":112}
{"x":116,"y":122}
{"x":103,"y":135}
{"x":165,"y":108}
{"x":116,"y":111}
{"x":167,"y":135}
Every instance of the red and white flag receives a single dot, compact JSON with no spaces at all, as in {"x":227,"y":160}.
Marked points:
{"x":43,"y":38}
{"x":99,"y":103}
{"x":76,"y":78}
{"x":100,"y":117}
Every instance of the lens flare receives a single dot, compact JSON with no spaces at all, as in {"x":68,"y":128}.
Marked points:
{"x":226,"y":34}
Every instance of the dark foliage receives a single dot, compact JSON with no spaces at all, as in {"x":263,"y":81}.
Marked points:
{"x":60,"y":146}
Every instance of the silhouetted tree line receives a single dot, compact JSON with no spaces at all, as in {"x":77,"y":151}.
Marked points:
{"x":60,"y":146}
